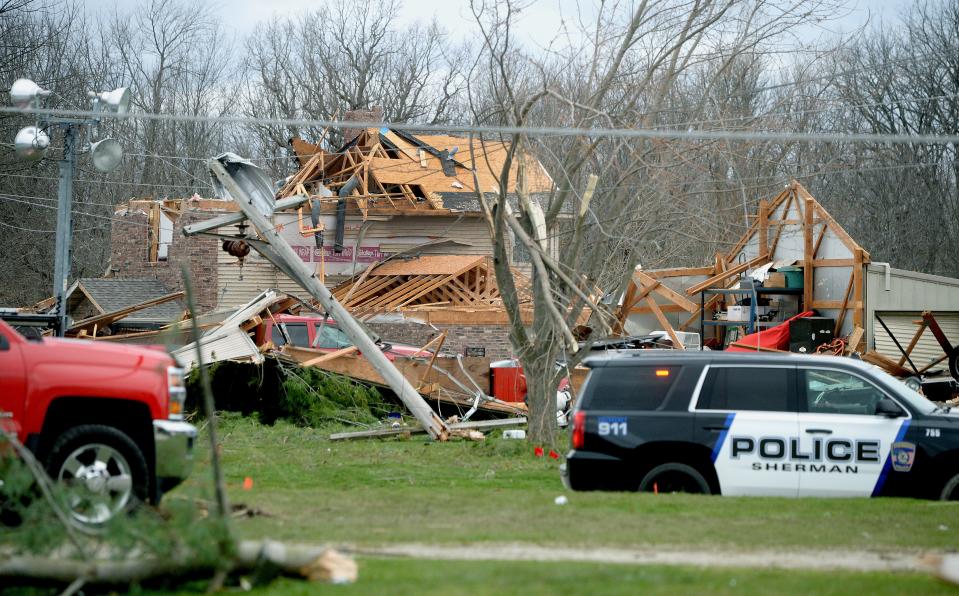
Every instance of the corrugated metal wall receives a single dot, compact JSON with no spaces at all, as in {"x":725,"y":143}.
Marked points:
{"x":901,"y":324}
{"x":909,"y":294}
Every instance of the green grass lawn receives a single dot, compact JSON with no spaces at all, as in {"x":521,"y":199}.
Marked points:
{"x":413,"y":577}
{"x":373,"y":492}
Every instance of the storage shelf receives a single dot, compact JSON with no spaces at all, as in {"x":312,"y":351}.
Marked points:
{"x":751,"y":324}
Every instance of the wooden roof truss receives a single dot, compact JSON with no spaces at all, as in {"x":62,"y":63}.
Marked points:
{"x":795,"y":207}
{"x":388,"y":177}
{"x":471,"y":285}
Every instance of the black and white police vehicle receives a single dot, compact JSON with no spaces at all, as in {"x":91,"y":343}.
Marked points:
{"x":751,"y":424}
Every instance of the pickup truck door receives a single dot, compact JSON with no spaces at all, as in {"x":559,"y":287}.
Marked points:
{"x":847,"y":443}
{"x":13,"y":379}
{"x":747,"y":416}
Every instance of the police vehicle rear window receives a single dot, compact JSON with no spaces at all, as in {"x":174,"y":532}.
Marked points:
{"x":632,"y":387}
{"x":745,"y":388}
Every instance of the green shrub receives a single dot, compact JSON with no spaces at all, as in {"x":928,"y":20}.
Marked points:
{"x":304,"y":396}
{"x":313,"y":397}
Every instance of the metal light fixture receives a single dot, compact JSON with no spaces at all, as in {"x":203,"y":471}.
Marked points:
{"x":24,"y":92}
{"x":31,"y":143}
{"x":117,"y":101}
{"x":106,"y":154}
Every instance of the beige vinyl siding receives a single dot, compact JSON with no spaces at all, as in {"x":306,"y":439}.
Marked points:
{"x":238,"y":285}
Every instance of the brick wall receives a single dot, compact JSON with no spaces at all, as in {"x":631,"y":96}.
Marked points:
{"x":130,"y":255}
{"x":495,"y":338}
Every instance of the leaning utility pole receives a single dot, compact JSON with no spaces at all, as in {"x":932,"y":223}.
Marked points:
{"x":61,"y":255}
{"x":250,"y":190}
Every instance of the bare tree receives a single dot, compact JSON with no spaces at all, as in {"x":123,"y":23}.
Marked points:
{"x":347,"y":56}
{"x":627,"y":64}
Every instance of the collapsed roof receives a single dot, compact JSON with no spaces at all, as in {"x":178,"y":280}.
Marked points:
{"x":388,"y":171}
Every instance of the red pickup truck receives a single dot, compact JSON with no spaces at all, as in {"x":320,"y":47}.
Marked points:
{"x":105,"y":419}
{"x":313,"y":331}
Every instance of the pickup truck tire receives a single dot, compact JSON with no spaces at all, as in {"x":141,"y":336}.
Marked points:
{"x":674,"y":478}
{"x":105,"y":469}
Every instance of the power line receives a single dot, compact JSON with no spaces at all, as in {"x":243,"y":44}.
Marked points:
{"x":533,"y":131}
{"x":41,"y":205}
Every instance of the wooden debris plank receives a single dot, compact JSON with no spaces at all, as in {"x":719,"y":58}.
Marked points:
{"x":836,"y":228}
{"x":857,"y":315}
{"x":763,"y":226}
{"x":779,"y":229}
{"x":833,"y":262}
{"x":845,"y":305}
{"x":392,"y":432}
{"x":438,"y":340}
{"x":887,"y":364}
{"x":912,"y":343}
{"x":658,"y":313}
{"x":852,"y":345}
{"x":116,"y":315}
{"x":819,"y":239}
{"x":808,"y":284}
{"x":931,"y":365}
{"x":666,"y":292}
{"x":330,"y":356}
{"x":757,"y":348}
{"x":358,"y":282}
{"x":726,"y":275}
{"x":681,"y":272}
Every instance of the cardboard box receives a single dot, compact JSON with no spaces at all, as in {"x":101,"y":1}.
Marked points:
{"x":775,"y":280}
{"x":737,"y":313}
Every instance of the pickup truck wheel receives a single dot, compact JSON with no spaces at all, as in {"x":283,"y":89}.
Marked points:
{"x":103,"y":469}
{"x":950,"y":490}
{"x":674,"y":478}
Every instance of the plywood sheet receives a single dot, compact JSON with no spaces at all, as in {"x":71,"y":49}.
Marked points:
{"x":428,"y":265}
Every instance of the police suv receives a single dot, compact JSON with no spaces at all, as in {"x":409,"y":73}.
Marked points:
{"x":758,"y":424}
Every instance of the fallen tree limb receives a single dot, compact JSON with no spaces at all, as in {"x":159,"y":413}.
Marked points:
{"x":461,"y":426}
{"x":314,"y":563}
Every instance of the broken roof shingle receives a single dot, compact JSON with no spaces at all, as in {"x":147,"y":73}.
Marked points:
{"x":111,"y":294}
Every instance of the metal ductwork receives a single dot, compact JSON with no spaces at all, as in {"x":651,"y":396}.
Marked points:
{"x":345,"y":191}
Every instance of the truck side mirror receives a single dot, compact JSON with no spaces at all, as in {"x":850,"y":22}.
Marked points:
{"x":889,"y":408}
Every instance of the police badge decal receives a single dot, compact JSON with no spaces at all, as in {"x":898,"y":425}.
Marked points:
{"x":902,"y":456}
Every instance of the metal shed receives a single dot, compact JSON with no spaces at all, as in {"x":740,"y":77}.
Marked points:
{"x":899,"y":297}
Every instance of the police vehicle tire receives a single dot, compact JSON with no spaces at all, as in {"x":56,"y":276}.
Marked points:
{"x":674,"y":477}
{"x":950,"y":490}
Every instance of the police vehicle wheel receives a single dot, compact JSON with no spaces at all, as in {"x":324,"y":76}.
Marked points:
{"x":674,"y":478}
{"x":950,"y":491}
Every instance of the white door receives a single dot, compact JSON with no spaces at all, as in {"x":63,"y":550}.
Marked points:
{"x":748,"y":414}
{"x":843,"y":443}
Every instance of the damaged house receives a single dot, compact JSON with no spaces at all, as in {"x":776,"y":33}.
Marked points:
{"x":394,"y":214}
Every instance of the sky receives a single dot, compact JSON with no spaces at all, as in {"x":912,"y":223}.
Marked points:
{"x":537,"y":25}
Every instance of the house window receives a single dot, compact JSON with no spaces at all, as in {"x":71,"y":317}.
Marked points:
{"x":161,"y":233}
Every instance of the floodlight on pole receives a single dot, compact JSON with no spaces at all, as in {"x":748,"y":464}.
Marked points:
{"x":116,"y":101}
{"x":106,"y":154}
{"x":25,"y":92}
{"x":32,"y":142}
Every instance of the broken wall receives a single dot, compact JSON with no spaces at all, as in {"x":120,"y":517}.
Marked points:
{"x":130,"y":244}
